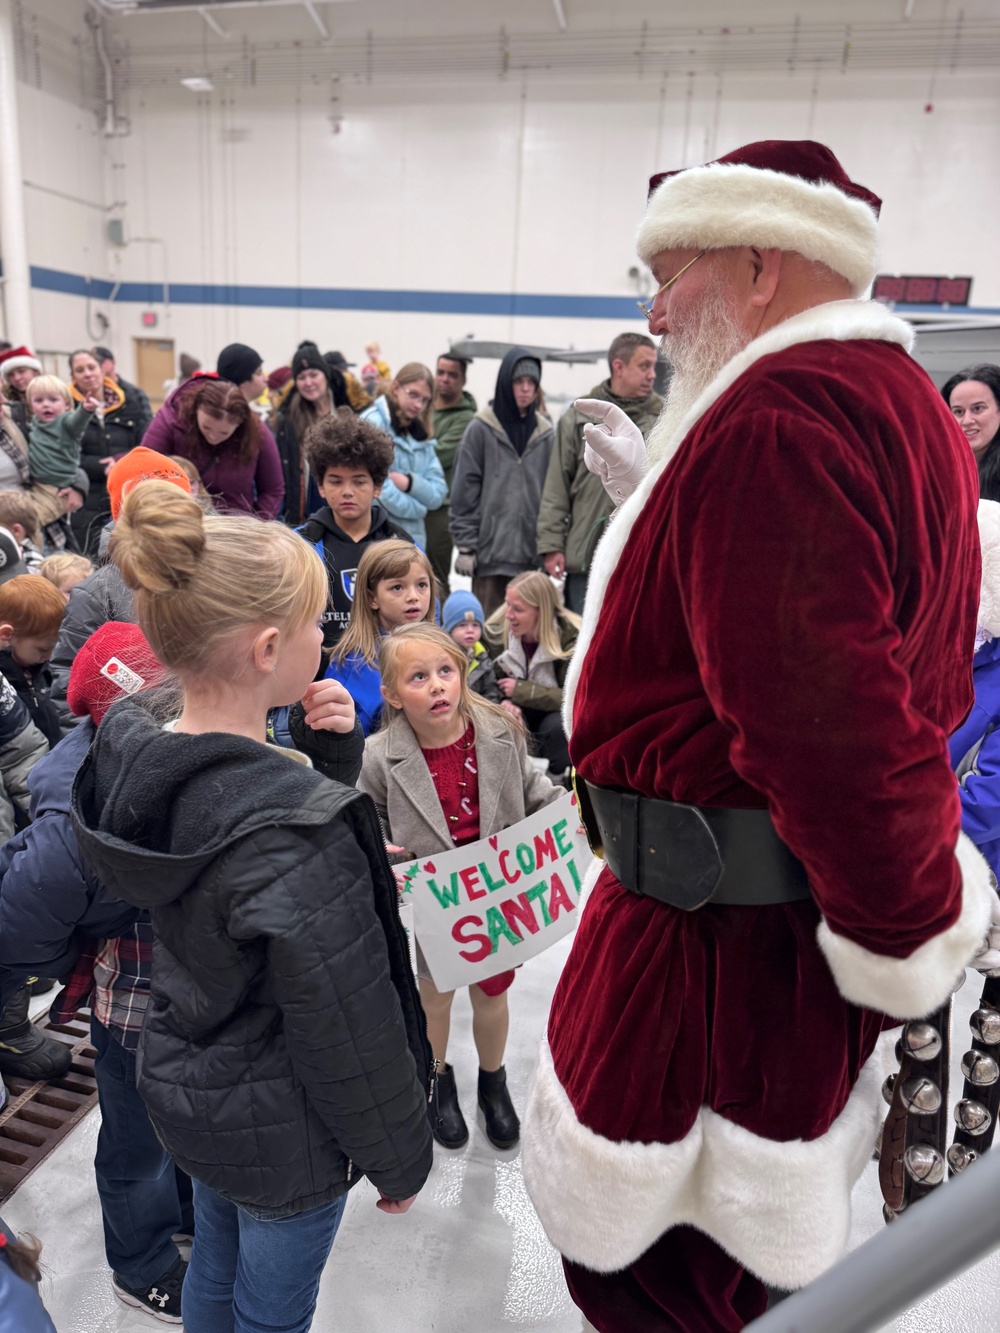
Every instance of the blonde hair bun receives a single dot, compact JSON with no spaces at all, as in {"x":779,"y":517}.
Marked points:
{"x":159,"y":538}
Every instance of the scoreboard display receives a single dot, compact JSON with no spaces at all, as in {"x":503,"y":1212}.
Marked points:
{"x":912,"y":290}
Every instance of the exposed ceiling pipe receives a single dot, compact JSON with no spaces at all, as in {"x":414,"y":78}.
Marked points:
{"x":324,"y":31}
{"x":557,"y":5}
{"x":96,"y":26}
{"x":214,"y":24}
{"x":909,"y":8}
{"x":124,"y":7}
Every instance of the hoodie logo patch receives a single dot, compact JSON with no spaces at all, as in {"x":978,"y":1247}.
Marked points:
{"x":347,"y":581}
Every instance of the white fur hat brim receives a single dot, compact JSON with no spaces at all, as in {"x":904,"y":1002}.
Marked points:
{"x":17,"y":362}
{"x":718,"y":206}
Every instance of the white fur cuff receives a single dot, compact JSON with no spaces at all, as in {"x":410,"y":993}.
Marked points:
{"x":915,"y":986}
{"x":781,"y":1209}
{"x":715,"y":207}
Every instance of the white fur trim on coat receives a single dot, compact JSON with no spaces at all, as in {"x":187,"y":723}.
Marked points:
{"x":717,"y":206}
{"x":846,"y":321}
{"x":915,"y":986}
{"x":781,"y":1209}
{"x":989,"y":588}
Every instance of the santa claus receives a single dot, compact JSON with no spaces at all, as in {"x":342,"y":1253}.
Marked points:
{"x":775,"y":647}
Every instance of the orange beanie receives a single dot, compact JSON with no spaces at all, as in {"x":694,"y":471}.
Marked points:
{"x":142,"y":464}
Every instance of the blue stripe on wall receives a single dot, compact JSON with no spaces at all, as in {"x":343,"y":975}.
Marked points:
{"x":360,"y":298}
{"x":341,"y":298}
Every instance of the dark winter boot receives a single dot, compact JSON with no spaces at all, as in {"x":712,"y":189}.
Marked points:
{"x":447,"y":1122}
{"x":25,"y":1051}
{"x":503,"y":1129}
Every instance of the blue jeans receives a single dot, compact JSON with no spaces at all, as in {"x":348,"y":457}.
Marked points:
{"x":145,"y":1199}
{"x":253,"y":1275}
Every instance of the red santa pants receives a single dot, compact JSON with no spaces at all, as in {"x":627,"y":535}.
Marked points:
{"x":683,"y":1284}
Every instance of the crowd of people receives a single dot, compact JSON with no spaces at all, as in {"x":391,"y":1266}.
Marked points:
{"x":141,"y":554}
{"x":223,"y":627}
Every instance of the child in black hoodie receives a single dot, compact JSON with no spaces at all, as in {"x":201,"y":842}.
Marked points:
{"x":31,"y":611}
{"x":350,"y":461}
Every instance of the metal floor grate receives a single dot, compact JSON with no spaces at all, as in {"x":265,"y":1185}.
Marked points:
{"x":39,"y":1115}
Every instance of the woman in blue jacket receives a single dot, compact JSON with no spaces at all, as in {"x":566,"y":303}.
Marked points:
{"x":416,"y":483}
{"x":975,"y":746}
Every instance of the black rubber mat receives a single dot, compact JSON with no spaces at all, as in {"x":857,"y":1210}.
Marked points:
{"x":38,"y":1116}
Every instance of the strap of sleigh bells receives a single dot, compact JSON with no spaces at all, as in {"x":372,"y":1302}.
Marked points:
{"x":690,"y":855}
{"x":912,"y":1158}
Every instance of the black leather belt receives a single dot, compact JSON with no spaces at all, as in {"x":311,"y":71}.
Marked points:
{"x":690,"y":855}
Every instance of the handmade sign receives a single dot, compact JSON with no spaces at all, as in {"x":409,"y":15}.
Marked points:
{"x":490,"y":905}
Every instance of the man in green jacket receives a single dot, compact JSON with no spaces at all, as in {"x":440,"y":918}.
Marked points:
{"x":575,"y":506}
{"x":454,"y":408}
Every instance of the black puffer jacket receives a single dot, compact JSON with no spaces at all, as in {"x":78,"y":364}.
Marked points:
{"x":284,"y":1051}
{"x":119,"y":431}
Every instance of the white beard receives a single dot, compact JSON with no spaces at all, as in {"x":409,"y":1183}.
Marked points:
{"x":698,"y":352}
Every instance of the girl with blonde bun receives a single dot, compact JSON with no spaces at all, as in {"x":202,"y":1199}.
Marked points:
{"x":449,"y":768}
{"x":284,"y":1053}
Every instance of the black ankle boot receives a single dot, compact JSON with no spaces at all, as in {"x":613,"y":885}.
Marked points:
{"x":25,"y":1050}
{"x":444,"y":1113}
{"x":503,"y":1129}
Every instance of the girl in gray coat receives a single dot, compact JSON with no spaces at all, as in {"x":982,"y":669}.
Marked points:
{"x":449,"y":768}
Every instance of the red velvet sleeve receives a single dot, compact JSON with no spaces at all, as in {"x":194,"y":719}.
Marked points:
{"x":789,"y":541}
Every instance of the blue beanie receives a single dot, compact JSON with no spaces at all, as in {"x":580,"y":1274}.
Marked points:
{"x":461,"y":606}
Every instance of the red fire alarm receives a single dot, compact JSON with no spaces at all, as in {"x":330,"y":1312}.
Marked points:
{"x":149,"y":318}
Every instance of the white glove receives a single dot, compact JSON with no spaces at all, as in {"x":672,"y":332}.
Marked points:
{"x":988,"y":958}
{"x":614,"y":449}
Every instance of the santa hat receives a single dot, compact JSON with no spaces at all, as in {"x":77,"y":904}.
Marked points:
{"x":114,"y":662}
{"x":142,"y":464}
{"x":792,"y":194}
{"x":16,"y":357}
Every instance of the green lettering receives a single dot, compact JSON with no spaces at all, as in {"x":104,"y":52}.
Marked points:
{"x":525,"y":859}
{"x":496,"y":925}
{"x":447,"y":895}
{"x":491,"y":883}
{"x":537,"y":895}
{"x":574,"y":874}
{"x":563,"y":841}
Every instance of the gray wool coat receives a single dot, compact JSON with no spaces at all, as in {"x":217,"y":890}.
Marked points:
{"x":396,"y":777}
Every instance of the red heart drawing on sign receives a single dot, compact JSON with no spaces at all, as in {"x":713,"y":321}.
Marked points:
{"x":572,"y":799}
{"x":430,"y":867}
{"x":493,"y":842}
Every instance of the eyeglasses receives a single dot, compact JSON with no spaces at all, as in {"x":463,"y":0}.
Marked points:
{"x":647,"y":310}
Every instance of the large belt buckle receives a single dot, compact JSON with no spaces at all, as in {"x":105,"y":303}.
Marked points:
{"x":587,"y":817}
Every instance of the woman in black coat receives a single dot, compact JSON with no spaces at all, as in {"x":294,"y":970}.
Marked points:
{"x":115,"y":430}
{"x":318,"y":390}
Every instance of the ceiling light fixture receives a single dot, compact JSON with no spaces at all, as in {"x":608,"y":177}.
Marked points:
{"x":199,"y":83}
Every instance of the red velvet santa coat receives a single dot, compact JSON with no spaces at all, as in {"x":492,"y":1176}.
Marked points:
{"x":783,"y":616}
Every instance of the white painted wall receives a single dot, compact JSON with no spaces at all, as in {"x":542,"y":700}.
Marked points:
{"x":494,"y":190}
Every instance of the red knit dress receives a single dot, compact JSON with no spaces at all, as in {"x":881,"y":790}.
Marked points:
{"x":455,"y":776}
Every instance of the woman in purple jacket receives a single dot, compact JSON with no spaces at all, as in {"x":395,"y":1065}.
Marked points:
{"x":208,"y":421}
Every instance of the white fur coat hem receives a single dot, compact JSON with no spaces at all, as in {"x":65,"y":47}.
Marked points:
{"x":781,"y":1209}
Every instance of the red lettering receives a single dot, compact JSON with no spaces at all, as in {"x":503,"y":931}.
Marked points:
{"x":518,"y":911}
{"x":470,"y":877}
{"x":511,"y":879}
{"x":559,"y":899}
{"x":462,"y":934}
{"x":545,"y":842}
